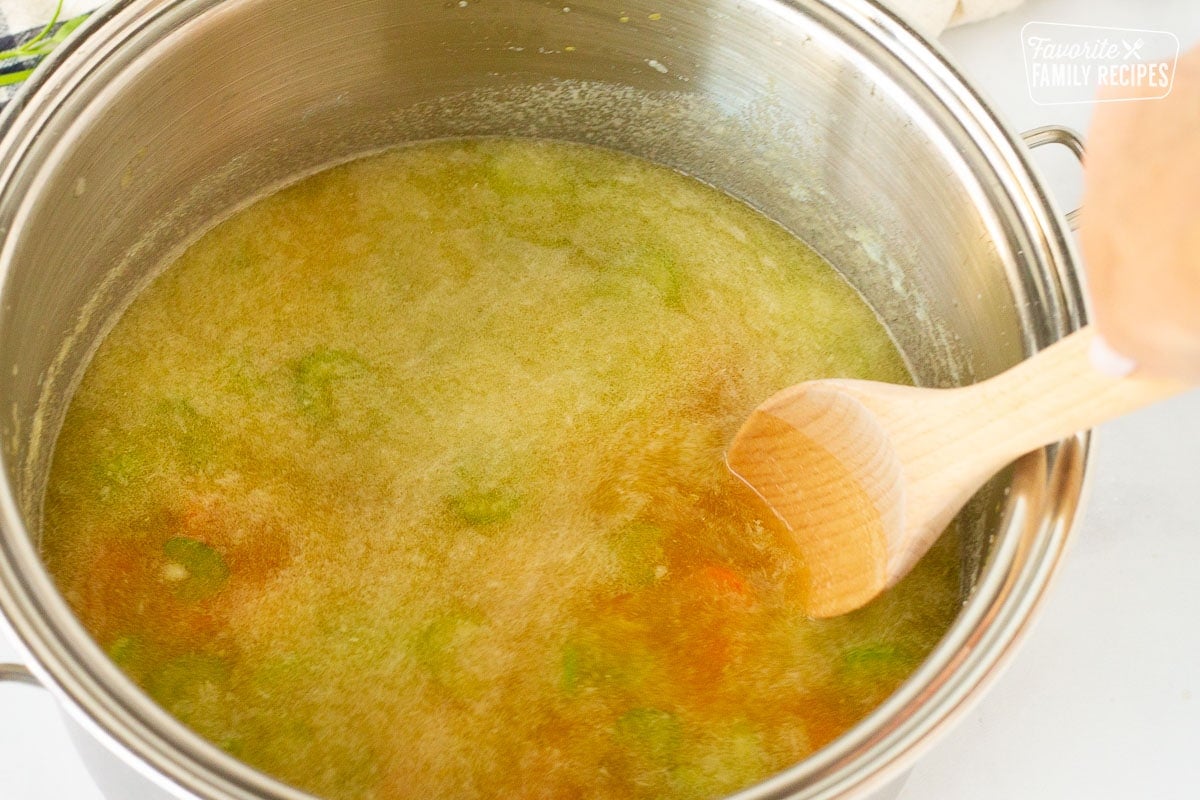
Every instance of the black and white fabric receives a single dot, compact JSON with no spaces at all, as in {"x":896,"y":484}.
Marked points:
{"x":22,"y":21}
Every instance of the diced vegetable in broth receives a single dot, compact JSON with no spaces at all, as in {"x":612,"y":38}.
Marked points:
{"x":650,"y":734}
{"x":194,"y":570}
{"x":639,"y":550}
{"x":407,"y":481}
{"x":319,"y":376}
{"x":481,"y":507}
{"x":447,"y":645}
{"x":188,"y":436}
{"x":132,"y":654}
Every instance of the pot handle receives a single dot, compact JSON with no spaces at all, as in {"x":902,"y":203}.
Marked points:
{"x":17,"y":674}
{"x":1057,"y":134}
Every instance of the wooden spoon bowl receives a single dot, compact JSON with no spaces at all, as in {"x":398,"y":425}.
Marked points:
{"x":865,"y":476}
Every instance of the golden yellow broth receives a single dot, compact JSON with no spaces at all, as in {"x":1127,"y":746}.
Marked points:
{"x":407,"y":481}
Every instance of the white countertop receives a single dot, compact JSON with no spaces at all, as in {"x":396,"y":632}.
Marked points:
{"x":1103,"y":698}
{"x":1098,"y":702}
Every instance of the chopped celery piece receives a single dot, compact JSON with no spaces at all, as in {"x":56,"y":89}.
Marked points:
{"x":125,"y":649}
{"x":190,"y":435}
{"x":116,"y":477}
{"x":122,"y":469}
{"x":131,"y":654}
{"x":651,"y":733}
{"x":183,"y":681}
{"x":233,"y":745}
{"x":639,"y":550}
{"x":239,"y":377}
{"x":732,"y":760}
{"x":870,"y":672}
{"x":483,"y":507}
{"x":589,"y":665}
{"x":662,"y":272}
{"x":281,"y":672}
{"x":876,"y":664}
{"x":439,"y":645}
{"x":877,"y":656}
{"x":203,"y":573}
{"x":572,"y":665}
{"x":316,"y":377}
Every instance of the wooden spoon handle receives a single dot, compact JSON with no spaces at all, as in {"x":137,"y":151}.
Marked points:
{"x":1054,"y":394}
{"x":951,"y":441}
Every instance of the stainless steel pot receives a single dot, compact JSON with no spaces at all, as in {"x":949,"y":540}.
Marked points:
{"x":833,"y":118}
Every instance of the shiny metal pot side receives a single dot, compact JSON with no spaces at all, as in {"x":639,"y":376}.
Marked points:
{"x":833,"y":118}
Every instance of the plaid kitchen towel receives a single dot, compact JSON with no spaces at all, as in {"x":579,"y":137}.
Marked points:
{"x":29,"y":29}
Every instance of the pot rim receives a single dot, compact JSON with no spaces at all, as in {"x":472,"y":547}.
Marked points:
{"x":1026,"y":553}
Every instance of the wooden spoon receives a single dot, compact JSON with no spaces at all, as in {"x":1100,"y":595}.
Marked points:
{"x":865,"y":476}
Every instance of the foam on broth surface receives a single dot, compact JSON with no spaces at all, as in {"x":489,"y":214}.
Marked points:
{"x":407,"y":481}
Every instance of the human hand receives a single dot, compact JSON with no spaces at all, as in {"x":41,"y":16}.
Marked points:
{"x":1140,"y":224}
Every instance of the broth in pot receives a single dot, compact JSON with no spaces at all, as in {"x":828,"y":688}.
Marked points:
{"x":408,"y":481}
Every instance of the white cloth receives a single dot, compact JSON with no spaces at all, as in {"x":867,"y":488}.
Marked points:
{"x":931,"y":17}
{"x":28,"y":15}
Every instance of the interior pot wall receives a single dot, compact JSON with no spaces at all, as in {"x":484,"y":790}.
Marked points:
{"x":216,"y":102}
